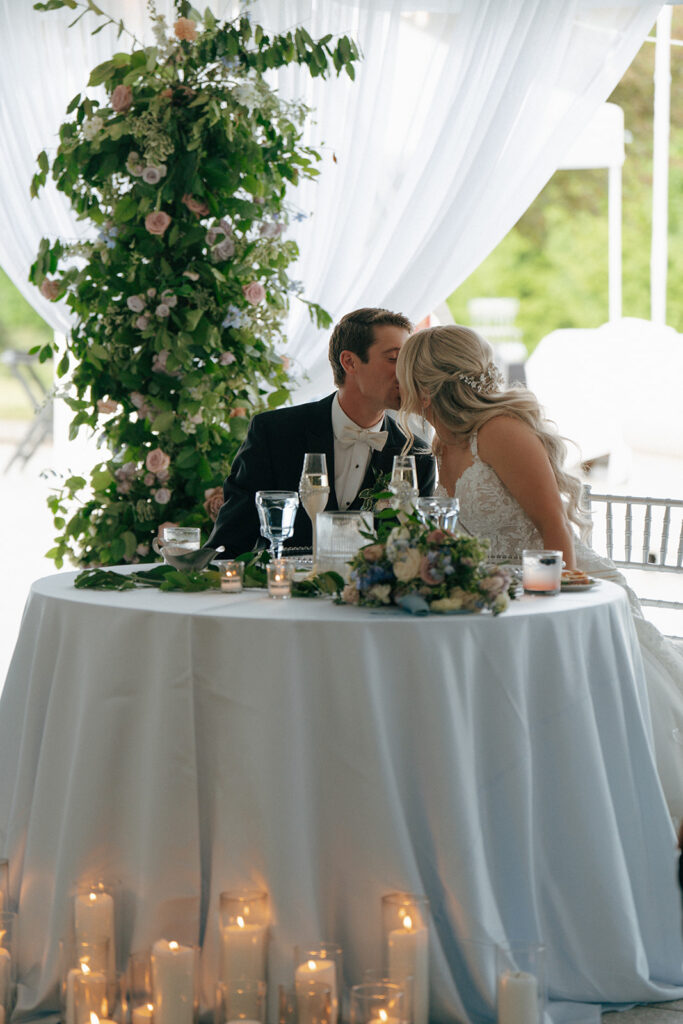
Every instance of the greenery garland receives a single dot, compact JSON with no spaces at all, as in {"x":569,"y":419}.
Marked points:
{"x":180,"y":289}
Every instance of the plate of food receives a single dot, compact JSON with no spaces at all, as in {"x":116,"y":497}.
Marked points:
{"x":575,"y":579}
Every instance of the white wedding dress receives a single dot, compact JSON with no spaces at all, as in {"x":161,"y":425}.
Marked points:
{"x":487,"y":509}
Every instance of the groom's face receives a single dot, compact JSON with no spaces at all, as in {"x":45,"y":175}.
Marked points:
{"x":376,"y":378}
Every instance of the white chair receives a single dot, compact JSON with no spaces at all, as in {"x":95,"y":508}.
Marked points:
{"x":639,"y":533}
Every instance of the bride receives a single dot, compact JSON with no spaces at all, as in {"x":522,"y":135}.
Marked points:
{"x":504,"y":462}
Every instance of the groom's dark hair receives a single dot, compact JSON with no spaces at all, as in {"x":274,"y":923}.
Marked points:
{"x":354,"y":334}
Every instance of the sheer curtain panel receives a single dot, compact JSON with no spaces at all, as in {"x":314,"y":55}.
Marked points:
{"x":460,"y":112}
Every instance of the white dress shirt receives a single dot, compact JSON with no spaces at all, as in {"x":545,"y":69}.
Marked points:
{"x":350,"y":462}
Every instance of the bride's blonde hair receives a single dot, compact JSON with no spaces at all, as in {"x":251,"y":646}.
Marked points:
{"x":453,"y":367}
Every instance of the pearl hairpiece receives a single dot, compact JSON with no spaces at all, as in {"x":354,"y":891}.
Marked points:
{"x":487,"y":382}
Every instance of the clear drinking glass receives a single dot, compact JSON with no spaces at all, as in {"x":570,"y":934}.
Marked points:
{"x":403,"y":483}
{"x":277,"y":512}
{"x":541,"y":572}
{"x":339,"y":537}
{"x":378,"y":1001}
{"x":443,"y":512}
{"x":177,"y":540}
{"x":314,"y":489}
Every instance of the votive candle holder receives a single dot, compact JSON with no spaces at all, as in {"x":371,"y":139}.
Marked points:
{"x":280,"y":577}
{"x":405,"y":921}
{"x":321,"y":963}
{"x":244,"y":916}
{"x":232,"y":577}
{"x":377,"y":1003}
{"x":240,"y":1001}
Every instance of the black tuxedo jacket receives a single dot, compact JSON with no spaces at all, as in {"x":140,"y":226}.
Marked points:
{"x":271,"y":458}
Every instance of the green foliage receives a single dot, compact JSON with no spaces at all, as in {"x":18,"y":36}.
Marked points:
{"x":555,"y":258}
{"x":182,"y":171}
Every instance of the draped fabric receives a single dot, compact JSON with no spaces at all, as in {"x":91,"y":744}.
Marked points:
{"x":460,"y":112}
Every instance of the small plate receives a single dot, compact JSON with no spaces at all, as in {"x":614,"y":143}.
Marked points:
{"x":579,"y":586}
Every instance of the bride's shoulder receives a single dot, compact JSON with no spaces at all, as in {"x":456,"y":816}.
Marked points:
{"x":505,"y":433}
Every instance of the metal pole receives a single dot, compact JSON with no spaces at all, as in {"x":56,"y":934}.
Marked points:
{"x":660,"y":168}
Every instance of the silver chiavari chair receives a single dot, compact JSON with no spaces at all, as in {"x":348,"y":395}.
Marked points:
{"x":639,"y":533}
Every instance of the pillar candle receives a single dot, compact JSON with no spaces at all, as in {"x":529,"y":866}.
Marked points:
{"x":173,"y":970}
{"x":94,"y":922}
{"x":243,"y":952}
{"x":5,"y":976}
{"x":517,"y":998}
{"x":408,"y":957}
{"x":92,"y":987}
{"x":324,"y":971}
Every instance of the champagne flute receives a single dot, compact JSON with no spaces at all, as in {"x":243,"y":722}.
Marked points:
{"x":314,"y":489}
{"x":403,"y":483}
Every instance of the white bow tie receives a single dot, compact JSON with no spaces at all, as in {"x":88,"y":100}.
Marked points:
{"x":375,"y":439}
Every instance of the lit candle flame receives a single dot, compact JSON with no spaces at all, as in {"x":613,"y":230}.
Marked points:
{"x":94,"y":1019}
{"x":407,"y":922}
{"x":84,"y":967}
{"x":150,"y":1006}
{"x":383,"y":1015}
{"x":312,"y":965}
{"x":93,"y":897}
{"x":173,"y":945}
{"x":240,"y":922}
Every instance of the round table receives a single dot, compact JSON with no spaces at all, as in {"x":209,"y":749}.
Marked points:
{"x":186,"y":744}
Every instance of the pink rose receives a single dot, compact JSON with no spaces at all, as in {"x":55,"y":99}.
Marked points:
{"x":254,"y":292}
{"x":149,"y":479}
{"x":162,"y":310}
{"x":162,"y":496}
{"x":157,"y":223}
{"x":162,"y":527}
{"x":163,"y":476}
{"x":349,"y":594}
{"x":197,"y":206}
{"x":214,"y":501}
{"x":436,"y":537}
{"x":226,"y":358}
{"x":185,"y":28}
{"x":142,"y":549}
{"x":373,"y":552}
{"x":159,"y":361}
{"x":135,"y":303}
{"x":106,"y":405}
{"x":121,"y":98}
{"x":151,"y":175}
{"x":237,"y":411}
{"x":157,"y":460}
{"x":426,"y":574}
{"x":142,"y":323}
{"x":50,"y":289}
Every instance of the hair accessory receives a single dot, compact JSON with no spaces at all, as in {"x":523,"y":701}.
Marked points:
{"x":487,"y":382}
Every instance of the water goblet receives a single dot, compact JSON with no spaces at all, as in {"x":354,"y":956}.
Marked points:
{"x":403,"y":483}
{"x":277,"y":512}
{"x":442,"y":511}
{"x":314,"y":489}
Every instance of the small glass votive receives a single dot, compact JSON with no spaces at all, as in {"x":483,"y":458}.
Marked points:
{"x":405,"y":923}
{"x":232,"y":577}
{"x":240,"y":1001}
{"x":136,"y":990}
{"x":520,"y":985}
{"x":323,"y":964}
{"x":541,"y":572}
{"x":379,"y":1002}
{"x":280,"y":577}
{"x":84,"y":967}
{"x":8,"y":975}
{"x":314,"y":1003}
{"x":373,"y":976}
{"x":244,"y":916}
{"x":4,"y":886}
{"x":175,"y":982}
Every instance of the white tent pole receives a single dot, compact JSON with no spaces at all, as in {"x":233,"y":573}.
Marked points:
{"x":614,"y":216}
{"x":660,"y":168}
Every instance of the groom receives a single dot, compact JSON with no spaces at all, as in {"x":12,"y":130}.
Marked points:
{"x":349,"y":427}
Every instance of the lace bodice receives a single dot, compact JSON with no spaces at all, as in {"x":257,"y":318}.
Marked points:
{"x":487,"y":509}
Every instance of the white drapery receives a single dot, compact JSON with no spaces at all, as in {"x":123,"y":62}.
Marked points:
{"x":461,"y":111}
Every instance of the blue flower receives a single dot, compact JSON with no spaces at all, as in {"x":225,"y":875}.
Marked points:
{"x":234,"y":317}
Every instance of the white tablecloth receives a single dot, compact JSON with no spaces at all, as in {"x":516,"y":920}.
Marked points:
{"x":187,"y":744}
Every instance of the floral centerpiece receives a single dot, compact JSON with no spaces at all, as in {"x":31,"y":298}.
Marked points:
{"x":422,"y":569}
{"x":178,"y":159}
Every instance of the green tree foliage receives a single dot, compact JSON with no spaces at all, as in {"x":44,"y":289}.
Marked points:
{"x":180,"y":293}
{"x":555,"y":258}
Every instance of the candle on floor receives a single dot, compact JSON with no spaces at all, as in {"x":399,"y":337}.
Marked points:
{"x":94,"y":923}
{"x":408,"y":956}
{"x":173,"y":982}
{"x":143,"y":1014}
{"x":517,"y":998}
{"x":243,"y":951}
{"x":312,"y":999}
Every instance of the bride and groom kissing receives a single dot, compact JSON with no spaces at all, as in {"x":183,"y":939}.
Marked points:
{"x":495,"y":450}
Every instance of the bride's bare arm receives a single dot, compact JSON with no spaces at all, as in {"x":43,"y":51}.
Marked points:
{"x":517,"y":455}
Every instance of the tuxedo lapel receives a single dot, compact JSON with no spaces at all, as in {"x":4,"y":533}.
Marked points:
{"x":320,"y":438}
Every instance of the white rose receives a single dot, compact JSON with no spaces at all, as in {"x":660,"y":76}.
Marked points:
{"x":151,"y":175}
{"x":136,"y":303}
{"x":380,"y":592}
{"x":407,"y":565}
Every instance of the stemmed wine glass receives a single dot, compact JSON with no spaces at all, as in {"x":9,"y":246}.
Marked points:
{"x":277,"y":512}
{"x":314,"y":489}
{"x":403,"y":483}
{"x":443,"y":511}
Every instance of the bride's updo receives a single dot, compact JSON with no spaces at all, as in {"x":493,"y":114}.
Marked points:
{"x":452,"y":366}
